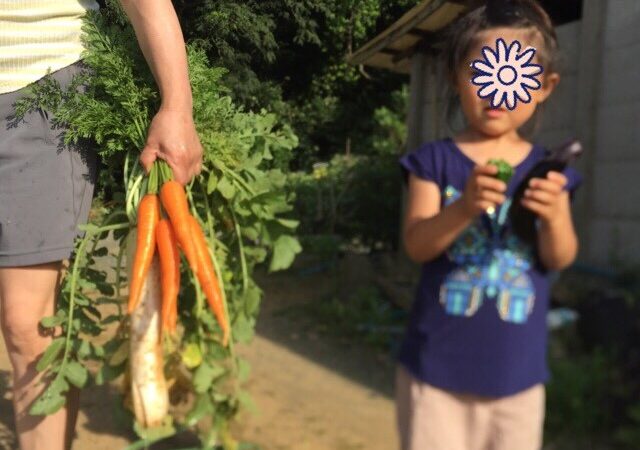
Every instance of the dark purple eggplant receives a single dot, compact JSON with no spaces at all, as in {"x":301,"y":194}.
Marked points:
{"x":523,"y":220}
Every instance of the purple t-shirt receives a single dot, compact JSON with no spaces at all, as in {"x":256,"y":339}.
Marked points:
{"x":478,"y":322}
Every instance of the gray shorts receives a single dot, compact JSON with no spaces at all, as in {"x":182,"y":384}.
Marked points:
{"x":46,"y":187}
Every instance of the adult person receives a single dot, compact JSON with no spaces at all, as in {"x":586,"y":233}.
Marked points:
{"x":46,"y":189}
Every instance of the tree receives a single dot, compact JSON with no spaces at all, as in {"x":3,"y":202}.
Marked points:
{"x":289,"y":56}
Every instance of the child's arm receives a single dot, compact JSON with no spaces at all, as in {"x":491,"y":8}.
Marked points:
{"x":557,"y":241}
{"x":428,"y":231}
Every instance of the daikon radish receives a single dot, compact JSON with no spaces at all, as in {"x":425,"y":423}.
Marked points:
{"x":148,"y":385}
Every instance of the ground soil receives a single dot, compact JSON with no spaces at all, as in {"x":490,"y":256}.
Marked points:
{"x":312,"y":392}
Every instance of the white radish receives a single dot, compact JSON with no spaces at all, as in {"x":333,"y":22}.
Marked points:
{"x":148,"y":384}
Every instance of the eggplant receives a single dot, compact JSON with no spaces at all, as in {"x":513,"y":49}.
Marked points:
{"x":523,"y":221}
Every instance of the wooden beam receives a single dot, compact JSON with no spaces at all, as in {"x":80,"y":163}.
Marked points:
{"x":392,"y":34}
{"x":424,"y":34}
{"x":425,"y":45}
{"x":391,"y":51}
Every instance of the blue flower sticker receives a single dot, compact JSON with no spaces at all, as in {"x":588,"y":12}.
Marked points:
{"x":506,"y":74}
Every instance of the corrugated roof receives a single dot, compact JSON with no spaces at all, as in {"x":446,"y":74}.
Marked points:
{"x":393,"y":47}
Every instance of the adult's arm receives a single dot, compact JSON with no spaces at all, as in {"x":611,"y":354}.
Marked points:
{"x":172,"y":135}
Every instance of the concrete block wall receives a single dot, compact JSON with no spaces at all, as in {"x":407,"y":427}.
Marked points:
{"x":615,"y":225}
{"x":559,"y":118}
{"x":558,"y":114}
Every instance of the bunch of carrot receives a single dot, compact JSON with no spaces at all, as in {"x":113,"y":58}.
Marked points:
{"x":179,"y":231}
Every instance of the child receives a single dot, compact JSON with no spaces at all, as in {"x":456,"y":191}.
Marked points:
{"x":472,"y":363}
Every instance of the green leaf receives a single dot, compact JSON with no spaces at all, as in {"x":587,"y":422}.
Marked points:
{"x":249,"y":446}
{"x":191,"y":355}
{"x":76,"y":373}
{"x":243,"y":329}
{"x":47,"y":404}
{"x":51,"y":321}
{"x":226,"y":188}
{"x":120,"y":355}
{"x":285,"y":249}
{"x":250,"y":233}
{"x":89,"y":228}
{"x":51,"y":353}
{"x":202,"y":407}
{"x":212,"y":183}
{"x":81,"y":300}
{"x":288,"y":223}
{"x":84,"y":351}
{"x":98,"y":350}
{"x":52,"y":399}
{"x":108,"y":373}
{"x":219,"y":397}
{"x":151,"y":435}
{"x":204,"y":376}
{"x":244,"y":370}
{"x":246,"y":402}
{"x":252,"y":301}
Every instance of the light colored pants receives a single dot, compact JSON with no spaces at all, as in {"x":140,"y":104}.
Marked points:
{"x":434,"y":419}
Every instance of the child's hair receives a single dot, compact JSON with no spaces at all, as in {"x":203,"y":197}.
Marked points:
{"x":519,"y":14}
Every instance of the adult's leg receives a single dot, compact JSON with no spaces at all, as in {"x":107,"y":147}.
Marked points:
{"x":27,"y":294}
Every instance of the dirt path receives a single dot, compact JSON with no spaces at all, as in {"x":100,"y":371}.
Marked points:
{"x":311,"y":393}
{"x":315,"y":394}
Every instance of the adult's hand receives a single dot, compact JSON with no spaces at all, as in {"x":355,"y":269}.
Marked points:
{"x":172,"y":137}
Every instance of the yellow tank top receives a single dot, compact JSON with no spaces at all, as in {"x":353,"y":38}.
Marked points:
{"x":37,"y":36}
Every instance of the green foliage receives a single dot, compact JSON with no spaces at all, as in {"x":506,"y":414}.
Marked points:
{"x":326,"y":247}
{"x":354,"y":197}
{"x":629,"y":433}
{"x":390,"y":134}
{"x":578,"y":397}
{"x":239,"y":199}
{"x":592,"y":395}
{"x":290,"y":57}
{"x":340,"y":197}
{"x":364,"y":315}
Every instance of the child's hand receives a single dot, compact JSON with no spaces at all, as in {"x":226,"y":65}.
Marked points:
{"x":483,"y":191}
{"x":545,"y":196}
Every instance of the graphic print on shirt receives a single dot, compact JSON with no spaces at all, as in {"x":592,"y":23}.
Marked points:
{"x":493,"y":265}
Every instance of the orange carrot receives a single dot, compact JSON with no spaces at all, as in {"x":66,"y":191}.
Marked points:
{"x":148,"y":215}
{"x":175,"y":204}
{"x":170,"y":269}
{"x":207,"y":278}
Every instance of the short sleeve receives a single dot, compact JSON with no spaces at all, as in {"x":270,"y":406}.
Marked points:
{"x":425,"y":163}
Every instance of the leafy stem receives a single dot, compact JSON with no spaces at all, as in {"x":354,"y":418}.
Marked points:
{"x":73,"y":283}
